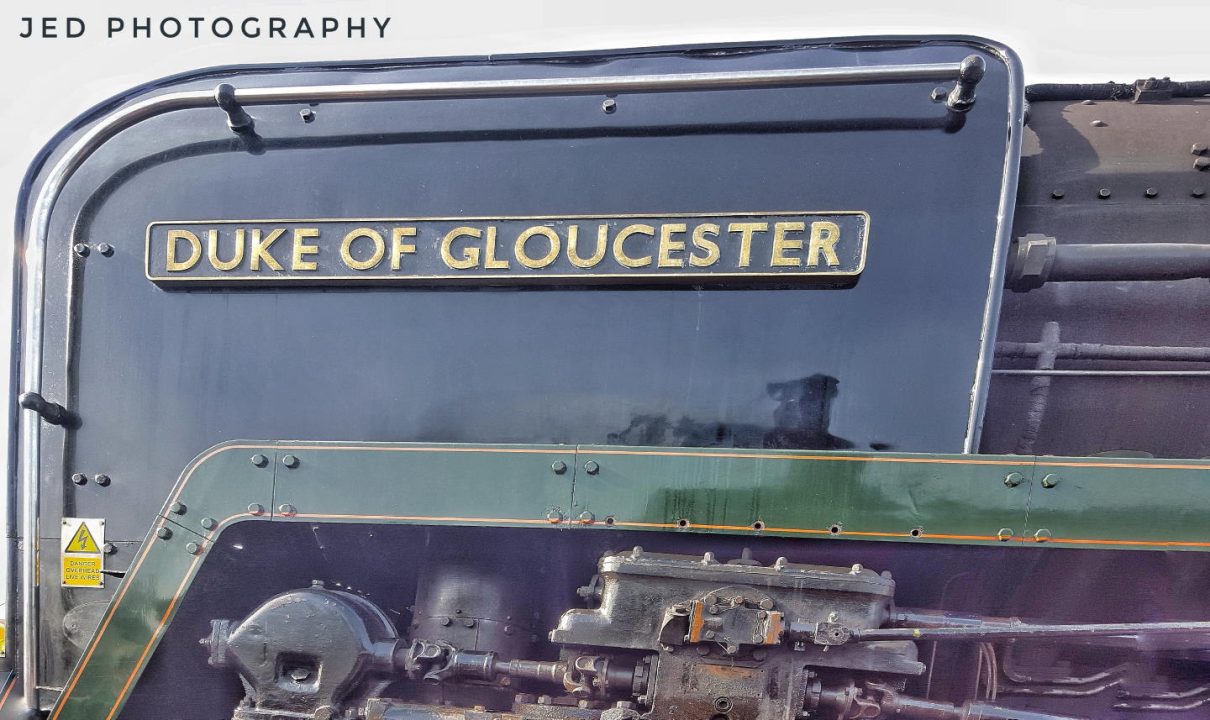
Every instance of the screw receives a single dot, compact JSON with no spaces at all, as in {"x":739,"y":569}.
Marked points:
{"x":109,"y":548}
{"x":177,"y":508}
{"x":79,"y":478}
{"x":260,"y":460}
{"x":287,"y":510}
{"x":1151,"y":192}
{"x":609,"y":105}
{"x":1013,"y":479}
{"x":1042,"y":535}
{"x":939,"y":94}
{"x":105,"y":249}
{"x":101,"y":479}
{"x":586,"y":518}
{"x":591,"y":467}
{"x":554,"y":517}
{"x":1005,"y":534}
{"x":290,"y":461}
{"x":1201,"y":163}
{"x":1057,"y":194}
{"x":558,"y":467}
{"x":209,"y":523}
{"x":1098,"y":123}
{"x":1049,"y":480}
{"x":1198,"y":148}
{"x":256,"y":509}
{"x":193,"y":548}
{"x":163,"y":533}
{"x":1104,"y":193}
{"x":307,"y":115}
{"x":81,"y":249}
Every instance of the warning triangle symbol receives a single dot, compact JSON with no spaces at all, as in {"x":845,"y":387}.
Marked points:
{"x":82,"y":541}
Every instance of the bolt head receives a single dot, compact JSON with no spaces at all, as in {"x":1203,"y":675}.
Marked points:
{"x":1042,"y":535}
{"x":79,"y":478}
{"x":1104,"y":193}
{"x":256,"y":509}
{"x":290,"y":461}
{"x":193,"y":548}
{"x":307,"y":115}
{"x":939,"y":94}
{"x":209,"y":523}
{"x":1198,"y":192}
{"x":105,"y":249}
{"x":1057,"y":194}
{"x":1151,"y":192}
{"x":1013,"y":479}
{"x":1005,"y":534}
{"x":287,"y":510}
{"x":163,"y":533}
{"x":1201,"y":163}
{"x":81,"y":249}
{"x":1050,"y":480}
{"x":586,"y":518}
{"x":109,"y":548}
{"x":609,"y":105}
{"x":260,"y":460}
{"x":445,"y":622}
{"x":592,"y":467}
{"x":558,"y":467}
{"x":554,"y":517}
{"x":1098,"y":123}
{"x":177,"y":508}
{"x":101,"y":479}
{"x":1198,"y":149}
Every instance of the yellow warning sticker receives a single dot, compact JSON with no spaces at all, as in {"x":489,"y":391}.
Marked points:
{"x":82,"y":558}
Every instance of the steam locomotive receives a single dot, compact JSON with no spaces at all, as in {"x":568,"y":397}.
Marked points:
{"x":830,"y":379}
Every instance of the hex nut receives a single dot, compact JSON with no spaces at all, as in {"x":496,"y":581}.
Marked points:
{"x":79,"y":478}
{"x":260,"y":460}
{"x":592,"y":467}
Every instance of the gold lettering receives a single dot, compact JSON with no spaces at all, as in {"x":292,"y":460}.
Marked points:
{"x":302,"y":250}
{"x":781,"y":244}
{"x":573,"y":236}
{"x":545,"y":260}
{"x":212,"y":251}
{"x":669,"y":246}
{"x":824,"y":235}
{"x":260,"y":249}
{"x":195,"y":250}
{"x":399,"y":247}
{"x":489,"y":261}
{"x":745,"y":239}
{"x":619,"y":249}
{"x":346,"y":249}
{"x":470,"y":258}
{"x":701,"y":242}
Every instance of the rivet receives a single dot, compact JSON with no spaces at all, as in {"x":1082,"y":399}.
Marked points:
{"x":1049,"y":480}
{"x":1104,"y":193}
{"x":856,"y":569}
{"x":587,"y":518}
{"x":177,"y":508}
{"x":1151,"y":192}
{"x":260,"y":460}
{"x":109,"y":548}
{"x":1013,"y":479}
{"x":559,"y":467}
{"x":290,"y":461}
{"x":101,"y":479}
{"x":1098,"y":123}
{"x":1201,"y":163}
{"x":209,"y":523}
{"x":81,"y":249}
{"x":591,"y":467}
{"x":1057,"y":194}
{"x":609,"y":105}
{"x":287,"y":510}
{"x":256,"y":509}
{"x":554,"y":517}
{"x":193,"y":548}
{"x":1198,"y":148}
{"x":1089,"y":102}
{"x":163,"y":533}
{"x":105,"y":249}
{"x":307,"y":115}
{"x":1042,"y":535}
{"x":1005,"y":534}
{"x":79,"y":478}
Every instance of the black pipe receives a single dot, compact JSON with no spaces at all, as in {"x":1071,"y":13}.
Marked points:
{"x":1130,"y":261}
{"x":1108,"y":91}
{"x":1099,"y":351}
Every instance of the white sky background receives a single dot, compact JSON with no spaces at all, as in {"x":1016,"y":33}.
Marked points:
{"x":51,"y":81}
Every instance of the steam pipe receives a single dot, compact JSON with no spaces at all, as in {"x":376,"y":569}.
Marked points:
{"x":1037,"y":259}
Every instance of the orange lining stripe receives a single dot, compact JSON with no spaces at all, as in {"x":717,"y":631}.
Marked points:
{"x":154,"y":637}
{"x":12,"y":683}
{"x":575,"y":449}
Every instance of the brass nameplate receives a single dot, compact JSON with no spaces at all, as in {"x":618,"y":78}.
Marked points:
{"x":565,"y":249}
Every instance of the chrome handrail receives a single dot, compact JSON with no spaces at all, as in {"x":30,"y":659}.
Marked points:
{"x":965,"y":74}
